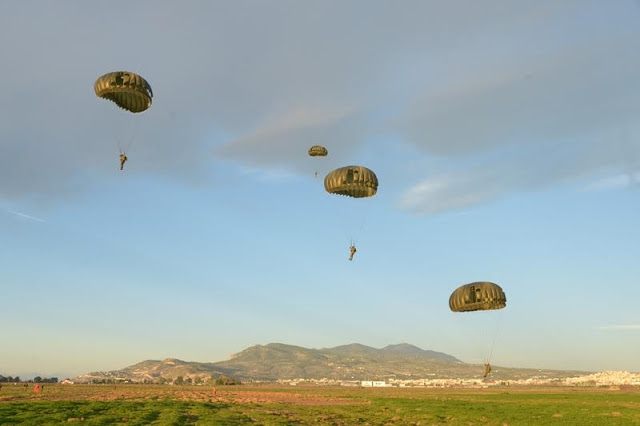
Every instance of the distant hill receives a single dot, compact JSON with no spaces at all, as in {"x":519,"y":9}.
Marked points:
{"x":154,"y":371}
{"x":353,"y":349}
{"x":410,"y":351}
{"x":347,"y":362}
{"x":402,"y":350}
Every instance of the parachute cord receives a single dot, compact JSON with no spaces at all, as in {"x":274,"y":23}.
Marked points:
{"x":495,"y":336}
{"x":125,"y":141}
{"x":354,"y":223}
{"x":362,"y":225}
{"x":356,"y":237}
{"x":127,"y":146}
{"x":133,"y":130}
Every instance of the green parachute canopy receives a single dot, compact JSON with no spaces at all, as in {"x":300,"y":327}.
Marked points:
{"x":477,"y":296}
{"x":352,"y":181}
{"x":128,"y":90}
{"x":318,"y":151}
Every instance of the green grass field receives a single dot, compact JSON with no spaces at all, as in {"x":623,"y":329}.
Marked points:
{"x":271,"y":405}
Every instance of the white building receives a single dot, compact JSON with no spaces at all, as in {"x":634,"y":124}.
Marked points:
{"x":373,"y":384}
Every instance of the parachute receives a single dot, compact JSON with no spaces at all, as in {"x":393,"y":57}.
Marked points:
{"x":355,"y":182}
{"x":352,"y":181}
{"x":477,"y":296}
{"x":128,"y":90}
{"x":480,"y":296}
{"x":318,"y":151}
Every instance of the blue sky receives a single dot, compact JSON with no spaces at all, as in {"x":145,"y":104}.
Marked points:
{"x":504,"y":135}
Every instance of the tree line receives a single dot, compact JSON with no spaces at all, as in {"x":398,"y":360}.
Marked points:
{"x":222,"y":380}
{"x":37,"y":379}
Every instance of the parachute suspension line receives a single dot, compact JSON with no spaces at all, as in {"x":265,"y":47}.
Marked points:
{"x":363,"y":222}
{"x":132,"y":132}
{"x":354,"y":237}
{"x":125,"y":138}
{"x":498,"y":322}
{"x":118,"y":135}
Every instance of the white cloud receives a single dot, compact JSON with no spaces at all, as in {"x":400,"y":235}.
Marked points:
{"x":450,"y":193}
{"x":462,"y":182}
{"x":611,"y":182}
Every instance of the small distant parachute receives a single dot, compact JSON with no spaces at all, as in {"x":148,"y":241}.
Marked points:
{"x":477,"y":296}
{"x":318,"y":151}
{"x":128,"y":90}
{"x":352,"y":181}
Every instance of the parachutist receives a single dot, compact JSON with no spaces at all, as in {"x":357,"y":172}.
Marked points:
{"x":128,"y":91}
{"x":123,"y":159}
{"x":318,"y":151}
{"x":487,"y":369}
{"x":352,"y":251}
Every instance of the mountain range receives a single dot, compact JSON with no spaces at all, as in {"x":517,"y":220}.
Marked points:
{"x":276,"y":361}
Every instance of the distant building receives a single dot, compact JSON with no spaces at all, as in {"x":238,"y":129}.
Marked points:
{"x":373,"y":384}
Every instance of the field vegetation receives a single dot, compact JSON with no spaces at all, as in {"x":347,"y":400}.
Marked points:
{"x":273,"y":405}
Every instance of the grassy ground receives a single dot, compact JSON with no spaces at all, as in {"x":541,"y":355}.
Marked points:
{"x":178,"y":405}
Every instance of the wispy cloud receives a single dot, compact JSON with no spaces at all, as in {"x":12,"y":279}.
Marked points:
{"x":281,"y":142}
{"x":620,"y":327}
{"x":25,"y":216}
{"x":464,"y":183}
{"x":268,"y":176}
{"x":611,"y":182}
{"x":450,"y":193}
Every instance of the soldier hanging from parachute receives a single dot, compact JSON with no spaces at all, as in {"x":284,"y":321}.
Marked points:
{"x":352,"y":251}
{"x":487,"y":369}
{"x":123,"y":159}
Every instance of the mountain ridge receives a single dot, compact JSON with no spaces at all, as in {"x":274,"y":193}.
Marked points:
{"x":350,"y":362}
